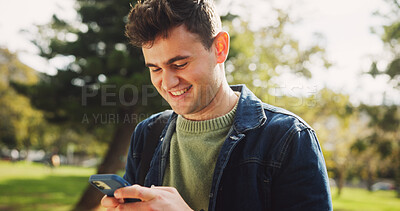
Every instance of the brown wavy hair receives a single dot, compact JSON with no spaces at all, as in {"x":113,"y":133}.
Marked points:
{"x":149,"y":19}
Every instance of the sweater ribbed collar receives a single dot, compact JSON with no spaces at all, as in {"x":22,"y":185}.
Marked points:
{"x":191,"y":126}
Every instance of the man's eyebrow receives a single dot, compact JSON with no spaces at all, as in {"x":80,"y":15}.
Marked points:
{"x":176,"y":58}
{"x":170,"y":61}
{"x":150,"y":65}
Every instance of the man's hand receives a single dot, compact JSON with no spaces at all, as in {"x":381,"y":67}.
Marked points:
{"x":154,"y":198}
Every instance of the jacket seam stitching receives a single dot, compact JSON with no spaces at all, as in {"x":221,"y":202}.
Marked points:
{"x":287,"y":142}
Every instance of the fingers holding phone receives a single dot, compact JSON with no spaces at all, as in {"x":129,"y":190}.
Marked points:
{"x":111,"y":202}
{"x":153,"y":198}
{"x":117,"y":201}
{"x":136,"y":191}
{"x":118,"y":192}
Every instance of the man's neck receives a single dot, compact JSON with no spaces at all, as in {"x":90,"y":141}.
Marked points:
{"x":223,"y":102}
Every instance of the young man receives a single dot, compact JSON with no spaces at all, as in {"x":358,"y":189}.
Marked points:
{"x":222,"y":149}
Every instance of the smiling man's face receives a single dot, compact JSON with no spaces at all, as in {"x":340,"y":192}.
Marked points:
{"x":183,"y":71}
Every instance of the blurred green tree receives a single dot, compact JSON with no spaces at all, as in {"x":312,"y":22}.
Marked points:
{"x":378,"y":148}
{"x":24,"y":127}
{"x":104,"y":87}
{"x":390,"y":35}
{"x":259,"y":56}
{"x":385,"y":119}
{"x":20,"y":124}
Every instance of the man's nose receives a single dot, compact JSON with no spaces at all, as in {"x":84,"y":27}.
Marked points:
{"x":169,"y":79}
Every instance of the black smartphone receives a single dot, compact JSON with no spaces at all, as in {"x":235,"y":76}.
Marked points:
{"x":108,"y":183}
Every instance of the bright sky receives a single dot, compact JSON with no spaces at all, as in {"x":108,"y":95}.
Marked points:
{"x":344,"y":24}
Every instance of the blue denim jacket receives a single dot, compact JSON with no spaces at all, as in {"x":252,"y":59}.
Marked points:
{"x":271,"y":160}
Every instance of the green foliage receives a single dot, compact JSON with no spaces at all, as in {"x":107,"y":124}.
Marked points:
{"x":384,"y":117}
{"x":20,"y":124}
{"x":359,"y":146}
{"x":390,"y":35}
{"x":102,"y":63}
{"x":257,"y":56}
{"x":24,"y":127}
{"x":383,"y":138}
{"x":378,"y":147}
{"x":104,"y":84}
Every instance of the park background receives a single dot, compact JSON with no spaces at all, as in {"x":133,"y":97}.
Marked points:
{"x":72,"y":89}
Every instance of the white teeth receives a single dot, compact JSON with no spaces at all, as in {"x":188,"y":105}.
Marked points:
{"x":177,"y":93}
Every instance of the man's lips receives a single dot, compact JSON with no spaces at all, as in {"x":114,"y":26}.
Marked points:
{"x":180,"y":92}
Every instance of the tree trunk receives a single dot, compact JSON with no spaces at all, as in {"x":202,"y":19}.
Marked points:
{"x":370,"y":179}
{"x":397,"y":174}
{"x":340,"y":182}
{"x":113,"y":161}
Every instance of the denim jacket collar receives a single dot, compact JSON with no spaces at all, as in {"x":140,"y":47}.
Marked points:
{"x":250,"y":113}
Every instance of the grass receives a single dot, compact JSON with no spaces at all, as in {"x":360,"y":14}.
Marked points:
{"x":31,"y":186}
{"x":356,"y":199}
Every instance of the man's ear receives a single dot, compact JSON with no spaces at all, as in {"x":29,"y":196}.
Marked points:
{"x":221,"y":45}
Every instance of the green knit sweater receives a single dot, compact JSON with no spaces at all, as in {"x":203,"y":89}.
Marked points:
{"x":193,"y":154}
